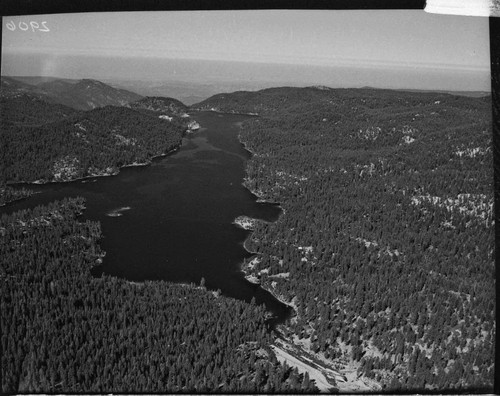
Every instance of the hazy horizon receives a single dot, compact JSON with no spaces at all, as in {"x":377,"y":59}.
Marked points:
{"x":248,"y":74}
{"x":341,"y":49}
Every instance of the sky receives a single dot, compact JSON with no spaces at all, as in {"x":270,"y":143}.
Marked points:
{"x":362,"y":46}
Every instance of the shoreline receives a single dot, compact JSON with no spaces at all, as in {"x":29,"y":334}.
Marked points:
{"x":340,"y":376}
{"x":245,"y":266}
{"x":260,"y":198}
{"x":327,"y":376}
{"x":285,"y":349}
{"x":214,"y":110}
{"x":246,"y":222}
{"x":134,"y":164}
{"x":19,"y":199}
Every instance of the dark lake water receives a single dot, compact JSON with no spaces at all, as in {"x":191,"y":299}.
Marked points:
{"x":174,"y":219}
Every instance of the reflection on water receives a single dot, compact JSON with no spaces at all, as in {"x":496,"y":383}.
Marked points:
{"x":118,"y":212}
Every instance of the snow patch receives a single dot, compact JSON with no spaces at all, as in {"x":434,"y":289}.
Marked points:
{"x":471,"y":152}
{"x":476,"y":205}
{"x":371,"y":133}
{"x":366,"y":242}
{"x":65,"y":168}
{"x":280,"y":275}
{"x":407,"y":139}
{"x":80,"y":126}
{"x":284,"y":174}
{"x":123,"y":141}
{"x":368,"y":169}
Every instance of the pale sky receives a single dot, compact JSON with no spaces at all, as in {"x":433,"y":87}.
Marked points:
{"x":386,"y":39}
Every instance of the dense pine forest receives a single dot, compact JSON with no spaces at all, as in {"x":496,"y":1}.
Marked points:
{"x":9,"y":194}
{"x":65,"y":331}
{"x":385,"y":247}
{"x":161,"y":104}
{"x":50,"y":142}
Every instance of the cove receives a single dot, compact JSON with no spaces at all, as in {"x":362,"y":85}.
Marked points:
{"x":173,"y":220}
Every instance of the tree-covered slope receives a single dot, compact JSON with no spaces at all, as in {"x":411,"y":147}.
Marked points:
{"x":261,"y":102}
{"x":64,"y":331}
{"x":386,"y":243}
{"x":26,"y":109}
{"x":288,"y":99}
{"x":97,"y":142}
{"x":168,"y":106}
{"x":89,"y":94}
{"x":10,"y":87}
{"x":83,"y":94}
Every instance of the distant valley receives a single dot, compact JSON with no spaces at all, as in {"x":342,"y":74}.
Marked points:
{"x":188,"y":92}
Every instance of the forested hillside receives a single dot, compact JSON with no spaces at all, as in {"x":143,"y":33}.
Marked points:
{"x":9,"y":194}
{"x":386,"y":243}
{"x":29,"y":110}
{"x":49,"y":142}
{"x":83,"y":94}
{"x":10,"y":87}
{"x":168,"y":106}
{"x":89,"y":94}
{"x":64,"y":331}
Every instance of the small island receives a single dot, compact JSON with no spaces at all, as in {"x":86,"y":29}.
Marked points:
{"x":192,"y":126}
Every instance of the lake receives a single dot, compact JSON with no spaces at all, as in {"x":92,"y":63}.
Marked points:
{"x":173,"y":220}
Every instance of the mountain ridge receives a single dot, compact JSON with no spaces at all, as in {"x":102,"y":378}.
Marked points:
{"x":160,"y":104}
{"x":279,"y":99}
{"x":84,"y":94}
